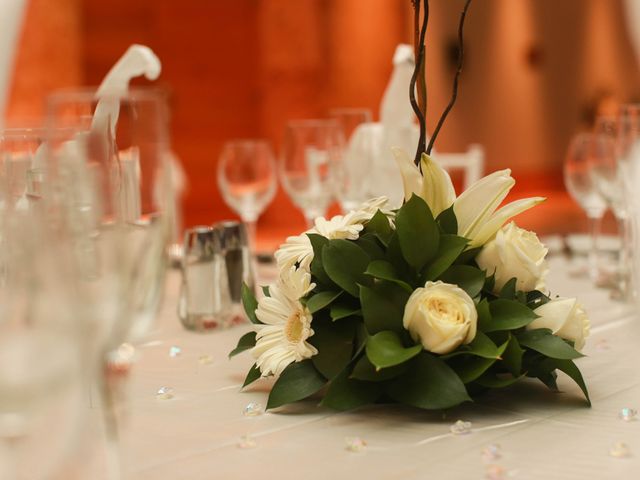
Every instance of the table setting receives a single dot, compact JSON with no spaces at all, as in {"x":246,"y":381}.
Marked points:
{"x":412,"y":329}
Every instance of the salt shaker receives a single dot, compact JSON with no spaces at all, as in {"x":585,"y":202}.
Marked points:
{"x":238,"y":263}
{"x":205,"y":300}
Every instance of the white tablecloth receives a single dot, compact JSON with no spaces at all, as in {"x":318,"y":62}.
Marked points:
{"x":542,"y":435}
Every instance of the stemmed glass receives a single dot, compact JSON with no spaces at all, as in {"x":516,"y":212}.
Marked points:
{"x":580,"y":185}
{"x":247,"y":180}
{"x":308,"y":165}
{"x":607,"y":175}
{"x":109,"y":188}
{"x":353,"y":182}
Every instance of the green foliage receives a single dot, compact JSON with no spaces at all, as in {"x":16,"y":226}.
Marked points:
{"x":249,"y":303}
{"x":297,"y":382}
{"x":418,"y":232}
{"x":385,"y":349}
{"x":364,"y":353}
{"x":247,"y":341}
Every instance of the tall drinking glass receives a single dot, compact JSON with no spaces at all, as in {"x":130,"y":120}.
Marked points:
{"x":580,"y":185}
{"x":353,"y":183}
{"x":20,"y":152}
{"x":311,"y":155}
{"x":110,"y":184}
{"x":247,"y":180}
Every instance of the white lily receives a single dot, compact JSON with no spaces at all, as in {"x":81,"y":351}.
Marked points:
{"x":476,"y":208}
{"x":433,"y":184}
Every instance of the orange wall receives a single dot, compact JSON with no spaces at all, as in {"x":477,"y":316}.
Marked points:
{"x":241,"y":68}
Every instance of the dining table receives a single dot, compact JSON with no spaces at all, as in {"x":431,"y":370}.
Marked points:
{"x":185,"y":415}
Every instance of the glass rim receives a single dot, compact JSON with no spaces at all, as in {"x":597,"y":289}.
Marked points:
{"x":312,"y":122}
{"x":89,"y":94}
{"x":18,"y":133}
{"x":246,"y":141}
{"x":335,"y":111}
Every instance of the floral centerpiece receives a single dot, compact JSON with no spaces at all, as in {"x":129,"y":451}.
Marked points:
{"x":427,"y":305}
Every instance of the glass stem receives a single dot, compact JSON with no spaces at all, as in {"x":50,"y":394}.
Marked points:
{"x":251,"y":225}
{"x":594,"y":247}
{"x":624,"y":256}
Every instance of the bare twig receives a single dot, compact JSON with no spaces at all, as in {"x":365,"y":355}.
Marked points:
{"x":416,"y":72}
{"x":454,"y":94}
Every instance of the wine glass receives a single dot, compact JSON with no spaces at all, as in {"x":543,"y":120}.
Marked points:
{"x":353,"y":181}
{"x":309,"y":162}
{"x":580,"y":185}
{"x":247,"y":180}
{"x":607,"y":174}
{"x":110,"y":190}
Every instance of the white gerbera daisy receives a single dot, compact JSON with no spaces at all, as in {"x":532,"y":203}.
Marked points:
{"x":295,"y":250}
{"x":368,"y":209}
{"x":287,"y":324}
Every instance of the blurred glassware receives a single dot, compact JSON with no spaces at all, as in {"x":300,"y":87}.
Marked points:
{"x":308,"y":166}
{"x":247,"y":180}
{"x":109,"y":185}
{"x":581,"y":187}
{"x":353,"y":181}
{"x":607,"y":174}
{"x":42,"y":352}
{"x":20,"y":151}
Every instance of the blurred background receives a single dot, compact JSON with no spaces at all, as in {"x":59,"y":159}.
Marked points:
{"x":536,"y":72}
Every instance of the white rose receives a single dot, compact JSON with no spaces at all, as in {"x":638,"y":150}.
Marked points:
{"x":441,"y":316}
{"x":515,"y":252}
{"x":566,"y":318}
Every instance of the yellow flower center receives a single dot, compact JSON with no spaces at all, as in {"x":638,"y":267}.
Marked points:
{"x":445,"y":310}
{"x":294,"y":327}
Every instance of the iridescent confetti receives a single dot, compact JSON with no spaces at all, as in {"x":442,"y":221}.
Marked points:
{"x":620,"y":450}
{"x":628,"y":414}
{"x":246,"y":442}
{"x":174,"y":351}
{"x":355,"y":444}
{"x":253,"y":409}
{"x":164,"y":393}
{"x":460,"y":428}
{"x":491,"y":453}
{"x":205,"y":359}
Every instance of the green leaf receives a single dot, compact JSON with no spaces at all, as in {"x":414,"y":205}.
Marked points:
{"x":334,"y":342}
{"x":371,"y":246}
{"x":383,"y":307}
{"x":481,"y":346}
{"x":253,"y":375}
{"x":339,"y":311}
{"x":536,"y":299}
{"x":317,"y":268}
{"x":379,"y":226}
{"x":250,"y":304}
{"x":385,"y":271}
{"x":297,"y":381}
{"x":247,"y":341}
{"x":428,"y":383}
{"x":568,"y":367}
{"x":417,"y":232}
{"x":346,"y":393}
{"x":543,"y":341}
{"x":451,"y":246}
{"x":508,"y":290}
{"x":470,"y":368}
{"x":512,"y":356}
{"x":345,"y":264}
{"x":468,"y":278}
{"x":365,"y":370}
{"x":467,"y":256}
{"x":321,"y":300}
{"x":490,"y":380}
{"x":507,"y":315}
{"x":265,"y":291}
{"x":448,"y":221}
{"x":385,"y":349}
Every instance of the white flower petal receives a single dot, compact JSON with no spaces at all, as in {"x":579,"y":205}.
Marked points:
{"x":411,"y":177}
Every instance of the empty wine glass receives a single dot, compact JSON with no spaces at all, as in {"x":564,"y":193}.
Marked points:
{"x":580,"y":185}
{"x":311,"y":155}
{"x":353,"y":186}
{"x":247,"y":180}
